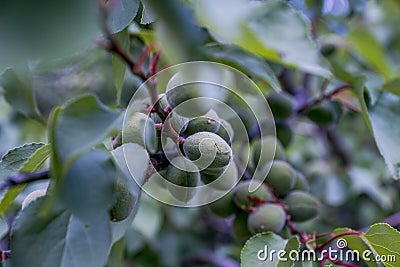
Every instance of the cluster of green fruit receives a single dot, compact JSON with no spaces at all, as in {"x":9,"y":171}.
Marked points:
{"x":283,"y":106}
{"x":206,"y":156}
{"x":203,"y":154}
{"x":283,"y":196}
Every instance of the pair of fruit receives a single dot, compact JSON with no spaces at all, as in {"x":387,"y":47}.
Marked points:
{"x":262,"y":211}
{"x":283,"y":106}
{"x":301,"y":207}
{"x":207,"y":156}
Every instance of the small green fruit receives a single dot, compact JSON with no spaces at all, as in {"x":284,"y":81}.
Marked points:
{"x":281,"y":105}
{"x":224,"y":181}
{"x":184,"y":176}
{"x":124,"y":203}
{"x":200,"y":124}
{"x":177,"y":122}
{"x":268,"y":145}
{"x":224,"y":207}
{"x":284,"y":133}
{"x":194,"y":99}
{"x":225,"y":131}
{"x":139,"y":129}
{"x":240,"y":230}
{"x":301,"y":182}
{"x":301,"y":206}
{"x":162,"y":101}
{"x":207,"y":150}
{"x":214,"y":172}
{"x":242,"y":196}
{"x":181,"y":94}
{"x":32,"y":197}
{"x":267,"y":217}
{"x":324,"y":113}
{"x":281,"y":177}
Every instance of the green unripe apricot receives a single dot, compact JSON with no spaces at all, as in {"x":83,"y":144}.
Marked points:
{"x":124,"y":203}
{"x":162,"y":101}
{"x":32,"y":197}
{"x":224,"y":181}
{"x":301,"y":206}
{"x":281,"y":105}
{"x":207,"y":150}
{"x":194,"y":99}
{"x":225,"y":131}
{"x":284,"y":133}
{"x":281,"y":177}
{"x":181,"y":94}
{"x":301,"y":182}
{"x":242,"y":196}
{"x":177,"y":122}
{"x":240,"y":230}
{"x":267,"y":217}
{"x":269,"y":146}
{"x":139,"y":129}
{"x":224,"y":206}
{"x":200,"y":124}
{"x":184,"y":176}
{"x":324,"y":113}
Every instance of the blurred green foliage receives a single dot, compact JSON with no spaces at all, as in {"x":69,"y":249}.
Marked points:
{"x":72,"y":94}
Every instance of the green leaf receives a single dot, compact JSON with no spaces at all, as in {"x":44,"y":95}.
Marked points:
{"x":9,"y":197}
{"x":148,"y":36}
{"x":271,"y":29}
{"x":385,"y":241}
{"x":81,"y":125}
{"x":3,"y":227}
{"x":369,"y":48}
{"x":385,"y":122}
{"x":122,"y":14}
{"x":373,"y":86}
{"x":87,"y":189}
{"x":33,"y":163}
{"x":177,"y":45}
{"x":248,"y":63}
{"x":14,"y":160}
{"x":57,"y":238}
{"x":392,"y":86}
{"x":28,"y":35}
{"x":366,"y":181}
{"x":118,"y":65}
{"x":149,"y":218}
{"x":356,"y":243}
{"x":55,"y":164}
{"x":18,"y":91}
{"x":116,"y":258}
{"x":256,"y":251}
{"x":37,"y":160}
{"x":147,"y":15}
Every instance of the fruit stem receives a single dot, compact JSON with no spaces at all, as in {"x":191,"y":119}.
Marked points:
{"x":322,"y":97}
{"x":24,"y":178}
